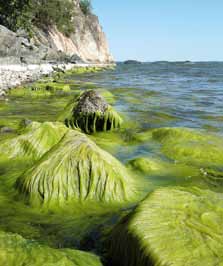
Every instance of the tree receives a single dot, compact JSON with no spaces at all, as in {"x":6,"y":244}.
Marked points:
{"x":86,"y":6}
{"x":24,"y":14}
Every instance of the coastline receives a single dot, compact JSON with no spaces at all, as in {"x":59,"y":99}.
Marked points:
{"x":13,"y":75}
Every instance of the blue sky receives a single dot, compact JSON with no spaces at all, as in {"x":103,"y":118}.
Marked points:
{"x":150,"y":30}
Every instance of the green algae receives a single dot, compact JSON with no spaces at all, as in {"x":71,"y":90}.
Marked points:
{"x":76,"y":169}
{"x":77,"y":222}
{"x":172,"y":226}
{"x":17,"y":251}
{"x":35,"y":140}
{"x":190,"y":146}
{"x":75,"y":71}
{"x":40,"y":89}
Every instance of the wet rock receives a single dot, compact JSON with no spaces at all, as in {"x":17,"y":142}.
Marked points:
{"x":5,"y":130}
{"x":91,"y":113}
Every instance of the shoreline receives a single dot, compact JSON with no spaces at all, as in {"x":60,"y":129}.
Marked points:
{"x":13,"y":75}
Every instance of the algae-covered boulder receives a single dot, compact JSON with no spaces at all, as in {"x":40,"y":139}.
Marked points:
{"x":147,"y":165}
{"x":172,"y":226}
{"x":17,"y":251}
{"x":76,"y":169}
{"x":190,"y":146}
{"x":90,"y":112}
{"x":34,"y":141}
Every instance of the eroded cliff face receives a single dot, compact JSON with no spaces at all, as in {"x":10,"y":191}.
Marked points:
{"x":87,"y":42}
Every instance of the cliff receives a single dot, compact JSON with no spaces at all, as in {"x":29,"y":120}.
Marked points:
{"x":86,"y":44}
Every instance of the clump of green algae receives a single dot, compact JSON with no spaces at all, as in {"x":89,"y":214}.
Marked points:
{"x":15,"y":250}
{"x":172,"y":226}
{"x":76,"y":169}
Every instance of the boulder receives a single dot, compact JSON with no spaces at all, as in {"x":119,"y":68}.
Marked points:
{"x":173,"y":226}
{"x":34,"y":140}
{"x":75,"y":170}
{"x":91,"y":113}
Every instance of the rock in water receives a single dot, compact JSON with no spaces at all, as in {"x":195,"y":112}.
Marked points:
{"x":132,"y":62}
{"x":91,"y":113}
{"x":17,"y":251}
{"x":190,"y":146}
{"x":35,"y":140}
{"x":172,"y":226}
{"x":194,"y":148}
{"x":76,"y":169}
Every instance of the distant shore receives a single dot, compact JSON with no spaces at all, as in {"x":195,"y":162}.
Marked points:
{"x":13,"y":75}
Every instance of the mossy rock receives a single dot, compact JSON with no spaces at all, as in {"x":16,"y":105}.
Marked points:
{"x":35,"y":140}
{"x":172,"y":226}
{"x":147,"y":165}
{"x":85,"y":70}
{"x":17,"y":251}
{"x":76,"y":169}
{"x":190,"y":146}
{"x":91,"y":113}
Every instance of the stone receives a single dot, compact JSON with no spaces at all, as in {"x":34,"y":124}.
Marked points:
{"x":172,"y":226}
{"x":91,"y":113}
{"x":76,"y":170}
{"x":34,"y":140}
{"x":15,"y":250}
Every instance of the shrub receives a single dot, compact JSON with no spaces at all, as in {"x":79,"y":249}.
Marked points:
{"x":86,"y":6}
{"x":16,"y":14}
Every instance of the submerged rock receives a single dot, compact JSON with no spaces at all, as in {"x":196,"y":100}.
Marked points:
{"x":187,"y":145}
{"x":41,"y":89}
{"x":193,"y":148}
{"x":90,"y":112}
{"x":17,"y":251}
{"x":76,"y":169}
{"x":172,"y":226}
{"x":35,"y":140}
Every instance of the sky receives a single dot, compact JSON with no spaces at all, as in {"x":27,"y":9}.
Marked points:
{"x":173,"y":30}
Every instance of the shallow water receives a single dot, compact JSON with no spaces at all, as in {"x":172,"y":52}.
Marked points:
{"x":148,"y":96}
{"x":170,"y":94}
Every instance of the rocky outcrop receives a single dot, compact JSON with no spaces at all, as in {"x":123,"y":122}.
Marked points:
{"x":87,"y":44}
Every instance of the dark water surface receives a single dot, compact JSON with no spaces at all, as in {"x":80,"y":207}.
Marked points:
{"x":148,"y":96}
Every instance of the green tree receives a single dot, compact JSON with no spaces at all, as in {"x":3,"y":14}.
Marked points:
{"x":16,"y":14}
{"x":86,"y":6}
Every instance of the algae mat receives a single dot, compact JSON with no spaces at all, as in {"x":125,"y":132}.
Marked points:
{"x":17,"y":251}
{"x":172,"y":226}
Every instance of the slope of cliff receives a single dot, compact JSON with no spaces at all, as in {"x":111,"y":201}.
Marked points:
{"x":86,"y":43}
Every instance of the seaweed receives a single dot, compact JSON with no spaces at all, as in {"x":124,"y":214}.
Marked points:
{"x":172,"y":226}
{"x":15,"y":250}
{"x":33,"y":141}
{"x":76,"y":169}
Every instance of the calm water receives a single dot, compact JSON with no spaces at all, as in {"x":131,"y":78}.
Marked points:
{"x":181,"y":94}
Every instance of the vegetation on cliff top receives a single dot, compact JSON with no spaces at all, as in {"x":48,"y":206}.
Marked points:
{"x":16,"y":14}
